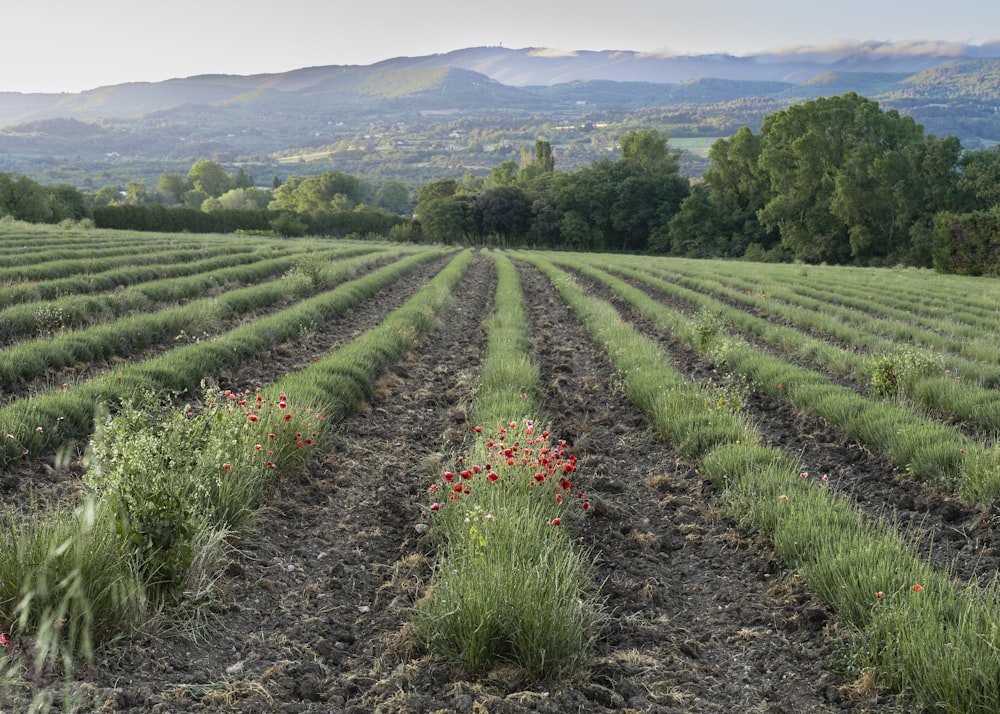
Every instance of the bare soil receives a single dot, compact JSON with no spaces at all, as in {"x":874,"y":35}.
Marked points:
{"x":312,"y":609}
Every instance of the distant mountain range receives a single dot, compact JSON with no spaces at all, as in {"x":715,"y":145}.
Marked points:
{"x":914,"y":70}
{"x":950,"y":89}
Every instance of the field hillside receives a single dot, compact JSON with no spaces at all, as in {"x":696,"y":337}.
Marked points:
{"x":249,"y":474}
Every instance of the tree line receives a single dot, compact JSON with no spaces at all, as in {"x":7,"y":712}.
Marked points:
{"x":835,"y":180}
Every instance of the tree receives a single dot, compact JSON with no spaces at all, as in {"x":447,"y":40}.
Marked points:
{"x":444,"y":220}
{"x":25,"y":199}
{"x":330,"y":191}
{"x":840,"y":170}
{"x":696,"y":231}
{"x":172,"y":185}
{"x":209,"y":177}
{"x":545,"y":218}
{"x":393,"y":196}
{"x":67,"y":203}
{"x":242,"y":199}
{"x":503,"y":174}
{"x":440,"y":188}
{"x":736,"y":190}
{"x":136,"y":193}
{"x":504,"y":211}
{"x":106,"y":195}
{"x":979,"y":173}
{"x":288,"y":225}
{"x":649,"y":152}
{"x":541,"y":163}
{"x":544,"y":160}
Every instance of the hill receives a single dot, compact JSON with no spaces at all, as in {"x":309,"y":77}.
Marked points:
{"x":415,"y":118}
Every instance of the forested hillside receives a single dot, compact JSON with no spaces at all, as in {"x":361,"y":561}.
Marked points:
{"x":419,"y":119}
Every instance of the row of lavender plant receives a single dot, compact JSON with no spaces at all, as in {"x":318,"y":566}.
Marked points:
{"x":165,"y":264}
{"x":170,"y":487}
{"x":933,"y":378}
{"x":197,"y":319}
{"x":918,"y":382}
{"x":960,"y":349}
{"x":82,"y":303}
{"x":934,"y":452}
{"x":509,"y":582}
{"x":43,"y":423}
{"x":913,"y":626}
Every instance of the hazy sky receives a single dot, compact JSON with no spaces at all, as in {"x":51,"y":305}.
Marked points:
{"x":71,"y":45}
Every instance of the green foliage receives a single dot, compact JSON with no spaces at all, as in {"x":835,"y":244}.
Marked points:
{"x":312,"y":270}
{"x":66,"y":580}
{"x":897,"y":372}
{"x":967,"y":244}
{"x":142,"y":467}
{"x":708,"y":326}
{"x":330,"y":191}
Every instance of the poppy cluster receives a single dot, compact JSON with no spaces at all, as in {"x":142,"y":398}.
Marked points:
{"x":517,"y":453}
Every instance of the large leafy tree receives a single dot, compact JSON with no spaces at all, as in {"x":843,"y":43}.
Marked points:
{"x":25,"y":199}
{"x":209,"y":177}
{"x":623,"y":202}
{"x":445,"y":219}
{"x":844,"y":179}
{"x":979,"y":173}
{"x":330,"y":191}
{"x":393,"y":196}
{"x":736,"y":189}
{"x":504,"y":212}
{"x":648,"y":151}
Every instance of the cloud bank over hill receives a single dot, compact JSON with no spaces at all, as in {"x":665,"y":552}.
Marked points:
{"x":845,"y":49}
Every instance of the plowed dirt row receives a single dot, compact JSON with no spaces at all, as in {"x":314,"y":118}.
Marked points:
{"x":947,"y":532}
{"x":40,"y":476}
{"x":81,"y":371}
{"x":312,"y":612}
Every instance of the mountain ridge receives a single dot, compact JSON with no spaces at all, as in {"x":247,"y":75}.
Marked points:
{"x":516,"y":68}
{"x":463,"y":111}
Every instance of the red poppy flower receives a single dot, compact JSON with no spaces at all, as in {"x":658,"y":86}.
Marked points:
{"x":448,"y":476}
{"x":555,"y":522}
{"x":5,"y":639}
{"x":918,"y":588}
{"x":435,"y":506}
{"x":226,"y":466}
{"x":252,"y":417}
{"x":492,"y":476}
